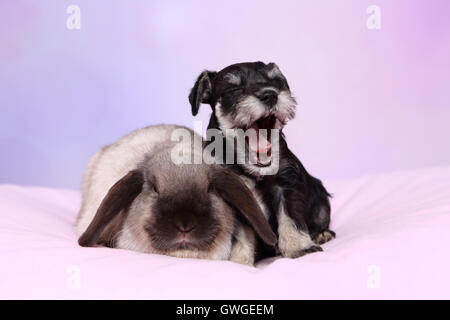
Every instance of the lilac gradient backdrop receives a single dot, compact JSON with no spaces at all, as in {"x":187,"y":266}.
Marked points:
{"x":369,"y":101}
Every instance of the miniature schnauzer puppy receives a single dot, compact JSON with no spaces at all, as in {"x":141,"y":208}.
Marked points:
{"x":257,"y":96}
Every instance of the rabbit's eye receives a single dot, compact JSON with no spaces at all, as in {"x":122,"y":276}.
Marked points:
{"x":154,"y":189}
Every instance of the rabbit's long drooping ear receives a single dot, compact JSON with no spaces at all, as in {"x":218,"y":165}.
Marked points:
{"x":233,"y":191}
{"x":119,"y":197}
{"x":202,"y":90}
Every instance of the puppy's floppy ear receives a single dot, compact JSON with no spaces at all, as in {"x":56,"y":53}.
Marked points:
{"x":233,"y":191}
{"x":119,"y":197}
{"x":202,"y":90}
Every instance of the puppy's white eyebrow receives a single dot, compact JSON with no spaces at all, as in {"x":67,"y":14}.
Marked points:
{"x":233,"y":78}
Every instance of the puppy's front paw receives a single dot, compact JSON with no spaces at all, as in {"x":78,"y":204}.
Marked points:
{"x":324,"y":236}
{"x":296,"y":245}
{"x":311,"y":250}
{"x":298,"y":252}
{"x":292,"y":242}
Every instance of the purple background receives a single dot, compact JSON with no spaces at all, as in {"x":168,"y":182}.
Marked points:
{"x":369,"y":100}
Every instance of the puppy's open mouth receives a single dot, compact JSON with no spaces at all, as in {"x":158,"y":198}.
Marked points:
{"x":260,"y":147}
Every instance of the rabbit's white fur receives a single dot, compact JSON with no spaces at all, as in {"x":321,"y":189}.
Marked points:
{"x":113,"y":162}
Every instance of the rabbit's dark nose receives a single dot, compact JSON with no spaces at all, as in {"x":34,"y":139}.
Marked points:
{"x":185,"y":225}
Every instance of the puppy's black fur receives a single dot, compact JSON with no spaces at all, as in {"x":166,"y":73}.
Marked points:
{"x":257,"y":95}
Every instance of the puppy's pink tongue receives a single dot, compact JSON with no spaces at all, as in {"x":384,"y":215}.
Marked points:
{"x":260,"y":144}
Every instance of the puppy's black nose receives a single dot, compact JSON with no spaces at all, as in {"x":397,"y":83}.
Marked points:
{"x":269,"y":97}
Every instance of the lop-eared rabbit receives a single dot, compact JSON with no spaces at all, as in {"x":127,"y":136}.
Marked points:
{"x":134,"y":196}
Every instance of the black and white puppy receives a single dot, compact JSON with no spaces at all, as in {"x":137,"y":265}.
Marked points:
{"x":257,"y":95}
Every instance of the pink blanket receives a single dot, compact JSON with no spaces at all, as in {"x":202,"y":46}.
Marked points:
{"x":392,"y":236}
